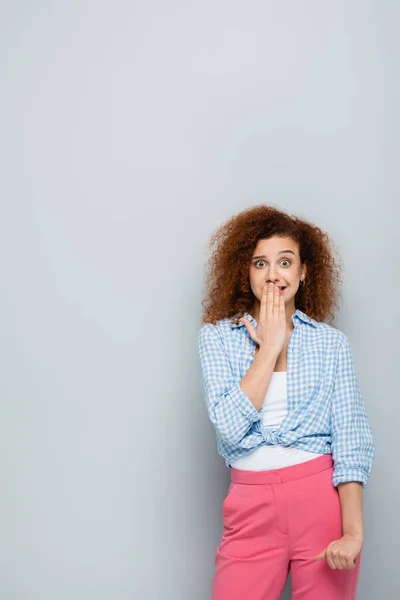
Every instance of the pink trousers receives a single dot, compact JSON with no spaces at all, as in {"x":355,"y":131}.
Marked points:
{"x":275,"y":522}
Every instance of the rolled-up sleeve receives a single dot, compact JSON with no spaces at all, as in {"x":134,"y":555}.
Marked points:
{"x":229,"y":408}
{"x":352,"y":443}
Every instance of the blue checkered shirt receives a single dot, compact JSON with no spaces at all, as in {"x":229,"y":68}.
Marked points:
{"x":326,"y":411}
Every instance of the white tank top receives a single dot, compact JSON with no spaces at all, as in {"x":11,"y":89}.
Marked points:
{"x":274,"y":456}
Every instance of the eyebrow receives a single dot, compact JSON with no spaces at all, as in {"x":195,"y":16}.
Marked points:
{"x":281,"y":252}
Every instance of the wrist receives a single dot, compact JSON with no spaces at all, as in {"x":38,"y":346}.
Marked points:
{"x":267,"y":352}
{"x":358,"y":535}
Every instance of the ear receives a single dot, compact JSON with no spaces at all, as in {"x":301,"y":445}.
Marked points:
{"x":304,"y":271}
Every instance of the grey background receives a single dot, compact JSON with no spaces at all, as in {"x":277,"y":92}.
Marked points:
{"x":130,"y":131}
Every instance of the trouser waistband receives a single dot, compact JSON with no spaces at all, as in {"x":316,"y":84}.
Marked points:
{"x":310,"y":467}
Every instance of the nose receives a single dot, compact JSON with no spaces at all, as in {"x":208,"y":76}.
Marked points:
{"x":271,"y":277}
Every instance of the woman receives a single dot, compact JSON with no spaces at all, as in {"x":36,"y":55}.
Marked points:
{"x":283,"y":396}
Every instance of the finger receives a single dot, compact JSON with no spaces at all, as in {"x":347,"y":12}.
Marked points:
{"x":346,"y":562}
{"x":337,"y":561}
{"x":281,"y":306}
{"x":263,"y":305}
{"x":270,"y":299}
{"x":330,"y":560}
{"x":340,"y":563}
{"x":276,"y":299}
{"x":331,"y":563}
{"x":349,"y":563}
{"x":249,"y":327}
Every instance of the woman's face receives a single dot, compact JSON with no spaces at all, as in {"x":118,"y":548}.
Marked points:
{"x":276,"y":260}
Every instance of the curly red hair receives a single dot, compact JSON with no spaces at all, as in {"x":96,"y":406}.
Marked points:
{"x":227,"y":288}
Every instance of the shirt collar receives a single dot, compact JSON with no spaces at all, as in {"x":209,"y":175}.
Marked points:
{"x":297,"y":315}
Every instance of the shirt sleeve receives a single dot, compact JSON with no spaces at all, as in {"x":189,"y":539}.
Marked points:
{"x":352,"y":443}
{"x":230,"y":410}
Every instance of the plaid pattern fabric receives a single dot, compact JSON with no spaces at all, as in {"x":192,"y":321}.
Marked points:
{"x":326,"y":411}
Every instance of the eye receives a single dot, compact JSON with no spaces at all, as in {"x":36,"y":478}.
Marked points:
{"x":286,"y":260}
